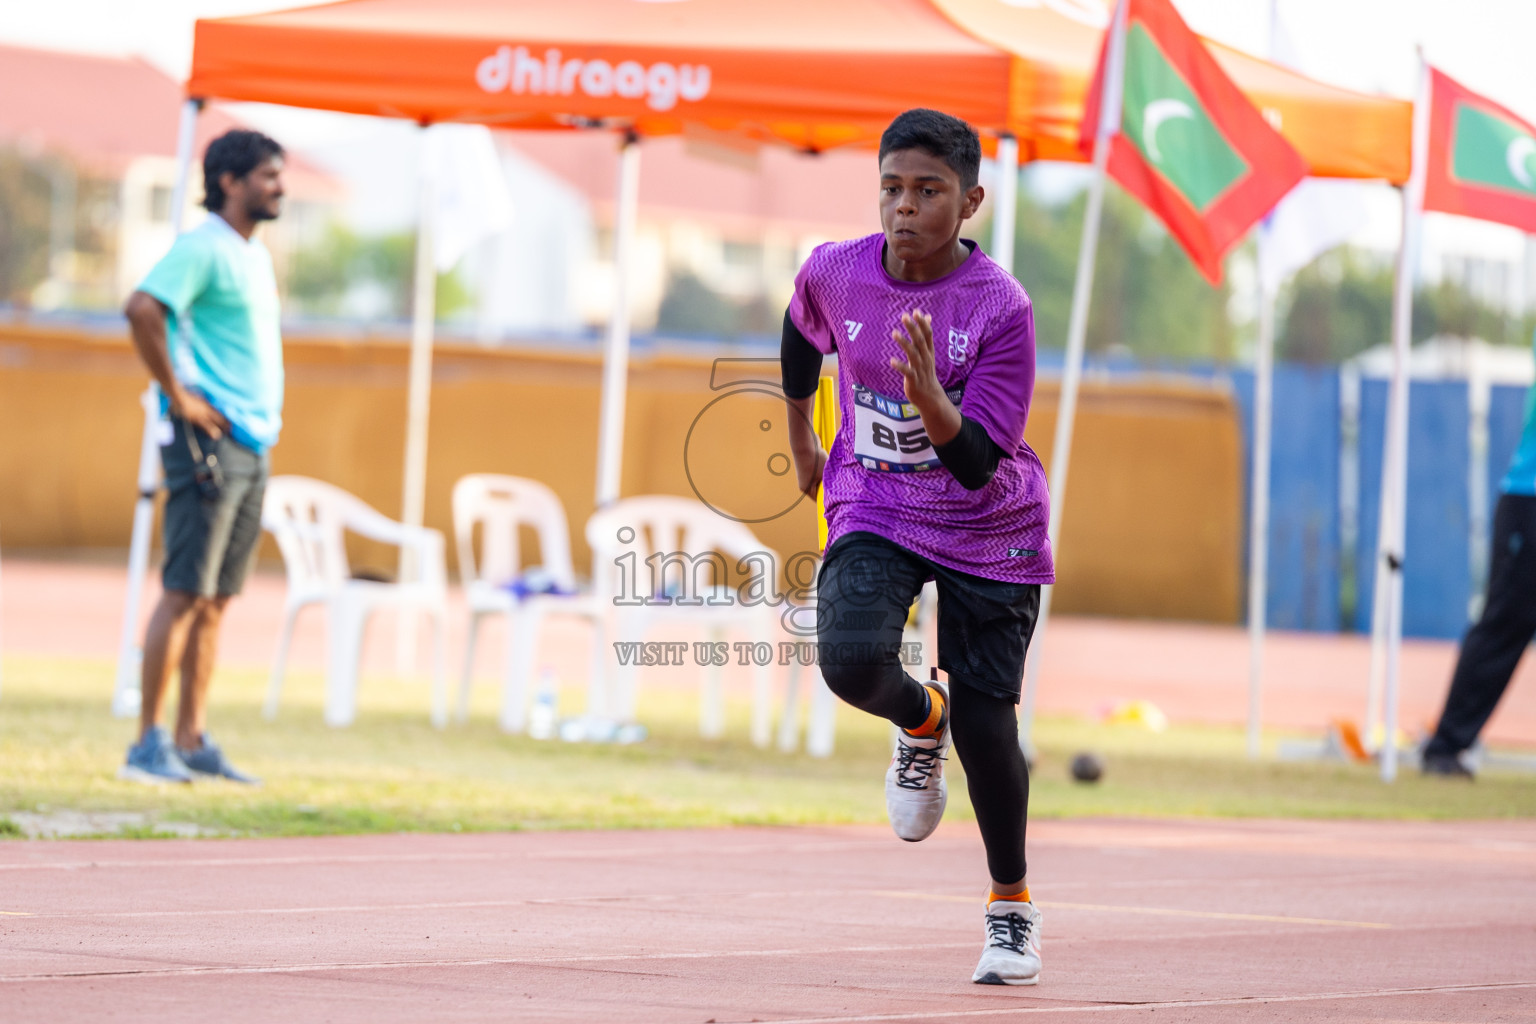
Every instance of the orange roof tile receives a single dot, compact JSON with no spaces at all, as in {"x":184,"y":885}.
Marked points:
{"x":102,"y":111}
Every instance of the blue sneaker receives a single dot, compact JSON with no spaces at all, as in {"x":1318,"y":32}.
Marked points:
{"x":154,"y":760}
{"x":209,"y":760}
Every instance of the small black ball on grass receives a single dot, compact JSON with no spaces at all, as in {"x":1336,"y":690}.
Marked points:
{"x":1087,"y":767}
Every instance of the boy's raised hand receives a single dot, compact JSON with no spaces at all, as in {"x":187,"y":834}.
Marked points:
{"x":919,"y":378}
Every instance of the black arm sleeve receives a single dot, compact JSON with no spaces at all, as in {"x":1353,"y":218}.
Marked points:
{"x":970,"y":455}
{"x":799,"y":362}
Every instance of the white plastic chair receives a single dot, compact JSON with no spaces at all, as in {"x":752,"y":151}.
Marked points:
{"x":310,"y":519}
{"x":500,"y":506}
{"x":633,"y":537}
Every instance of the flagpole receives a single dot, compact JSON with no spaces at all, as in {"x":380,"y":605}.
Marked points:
{"x":419,"y":391}
{"x":610,"y":450}
{"x":1391,"y":546}
{"x":1077,"y":335}
{"x":1385,"y":516}
{"x":1258,"y":506}
{"x":1258,"y":528}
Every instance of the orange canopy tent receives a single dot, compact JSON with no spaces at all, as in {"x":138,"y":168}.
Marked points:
{"x":811,"y":73}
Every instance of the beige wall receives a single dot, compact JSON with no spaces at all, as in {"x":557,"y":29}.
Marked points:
{"x":1152,"y":526}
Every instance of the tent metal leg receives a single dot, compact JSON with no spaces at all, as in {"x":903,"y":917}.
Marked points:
{"x":125,"y":689}
{"x":1258,"y":509}
{"x":610,"y":451}
{"x":419,"y":400}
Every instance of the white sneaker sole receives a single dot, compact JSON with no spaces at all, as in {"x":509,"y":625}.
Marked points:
{"x":993,"y":978}
{"x":919,"y":826}
{"x":128,"y":773}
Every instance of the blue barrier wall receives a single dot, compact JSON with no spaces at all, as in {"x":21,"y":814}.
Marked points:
{"x":1437,"y":576}
{"x":1506,"y":415}
{"x":1305,"y":554}
{"x":1307,"y":567}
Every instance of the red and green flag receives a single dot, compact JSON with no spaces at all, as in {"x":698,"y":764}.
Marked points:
{"x":1190,"y":145}
{"x":1482,"y":158}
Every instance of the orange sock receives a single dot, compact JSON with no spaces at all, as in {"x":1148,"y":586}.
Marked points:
{"x":935,"y":713}
{"x":1018,"y":897}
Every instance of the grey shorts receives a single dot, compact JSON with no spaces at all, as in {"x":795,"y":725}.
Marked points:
{"x":212,"y":520}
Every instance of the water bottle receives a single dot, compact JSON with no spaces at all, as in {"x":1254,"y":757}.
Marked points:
{"x":542,"y":719}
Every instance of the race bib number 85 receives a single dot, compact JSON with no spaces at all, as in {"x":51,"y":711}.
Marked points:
{"x":889,"y":435}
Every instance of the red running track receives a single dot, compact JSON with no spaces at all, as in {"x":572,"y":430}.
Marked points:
{"x":1144,"y":921}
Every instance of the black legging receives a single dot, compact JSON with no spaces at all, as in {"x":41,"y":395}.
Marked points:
{"x":1493,"y":646}
{"x":862,"y":606}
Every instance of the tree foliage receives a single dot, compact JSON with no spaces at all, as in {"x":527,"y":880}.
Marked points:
{"x":26,"y":198}
{"x":1341,"y":305}
{"x":1335,"y":308}
{"x":1148,"y":298}
{"x":342,"y":263}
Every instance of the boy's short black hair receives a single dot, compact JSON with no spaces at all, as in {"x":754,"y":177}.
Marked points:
{"x":937,"y":134}
{"x":238,"y":151}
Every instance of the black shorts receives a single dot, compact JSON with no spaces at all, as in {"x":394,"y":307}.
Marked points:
{"x":867,"y":585}
{"x":212,"y":521}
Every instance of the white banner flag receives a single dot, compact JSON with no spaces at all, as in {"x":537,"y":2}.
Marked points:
{"x":1317,"y":215}
{"x":470,"y":191}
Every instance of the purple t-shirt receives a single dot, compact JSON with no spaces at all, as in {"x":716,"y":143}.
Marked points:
{"x":882,"y":474}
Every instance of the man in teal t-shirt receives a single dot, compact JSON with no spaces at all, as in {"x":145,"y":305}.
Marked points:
{"x":1492,"y":647}
{"x":205,"y":322}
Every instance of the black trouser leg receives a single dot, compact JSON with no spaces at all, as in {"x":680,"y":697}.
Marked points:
{"x":866,"y":587}
{"x":986,"y":732}
{"x":1492,"y":647}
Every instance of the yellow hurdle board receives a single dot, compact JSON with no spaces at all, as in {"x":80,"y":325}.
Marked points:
{"x":824,"y":421}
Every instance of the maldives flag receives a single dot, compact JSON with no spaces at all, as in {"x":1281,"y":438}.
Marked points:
{"x":1190,"y":145}
{"x":1482,"y":158}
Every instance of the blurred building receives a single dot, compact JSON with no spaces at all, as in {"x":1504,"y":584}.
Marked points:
{"x":102,"y":132}
{"x":721,"y":224}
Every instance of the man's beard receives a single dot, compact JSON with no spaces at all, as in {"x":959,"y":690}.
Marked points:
{"x":264,"y":211}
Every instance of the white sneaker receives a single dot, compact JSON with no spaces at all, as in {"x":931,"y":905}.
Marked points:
{"x":1012,"y":953}
{"x":915,"y":791}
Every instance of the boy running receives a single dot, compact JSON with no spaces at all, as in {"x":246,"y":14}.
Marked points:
{"x":929,"y":478}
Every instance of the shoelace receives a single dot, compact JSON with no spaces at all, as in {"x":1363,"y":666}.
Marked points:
{"x":915,"y":765}
{"x":1010,"y":930}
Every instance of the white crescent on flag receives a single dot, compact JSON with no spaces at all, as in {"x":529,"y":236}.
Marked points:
{"x":1518,"y":156}
{"x":1152,"y":119}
